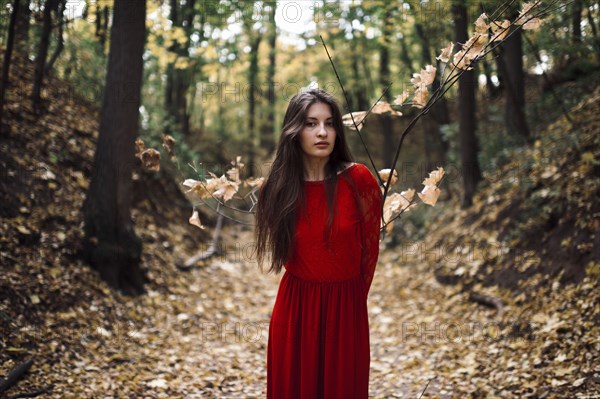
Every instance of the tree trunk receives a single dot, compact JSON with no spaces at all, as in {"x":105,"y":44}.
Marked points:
{"x":42,"y":54}
{"x":60,"y":39}
{"x":111,"y":245}
{"x":104,"y":36}
{"x":466,"y":112}
{"x":576,"y":16}
{"x":512,"y":63}
{"x":170,"y":121}
{"x":267,"y":138}
{"x":102,"y":15}
{"x":183,"y":77}
{"x":178,"y":80}
{"x":7,"y":57}
{"x":252,"y":79}
{"x":22,"y":28}
{"x":359,"y":100}
{"x":384,"y":81}
{"x":596,"y":38}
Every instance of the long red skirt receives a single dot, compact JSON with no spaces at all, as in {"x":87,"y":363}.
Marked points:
{"x":318,"y":340}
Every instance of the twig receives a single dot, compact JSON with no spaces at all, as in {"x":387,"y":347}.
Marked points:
{"x":424,"y":389}
{"x":212,"y":249}
{"x":30,"y":394}
{"x":489,"y":301}
{"x":15,"y":374}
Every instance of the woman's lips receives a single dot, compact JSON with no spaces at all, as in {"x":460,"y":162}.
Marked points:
{"x":322,"y":144}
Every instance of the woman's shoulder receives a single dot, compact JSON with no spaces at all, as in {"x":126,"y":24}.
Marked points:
{"x":363,"y":175}
{"x":347,"y":165}
{"x":359,"y":169}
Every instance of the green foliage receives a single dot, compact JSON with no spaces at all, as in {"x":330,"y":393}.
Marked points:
{"x":83,"y":62}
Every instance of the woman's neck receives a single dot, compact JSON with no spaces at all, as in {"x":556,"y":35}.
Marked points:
{"x":314,"y":169}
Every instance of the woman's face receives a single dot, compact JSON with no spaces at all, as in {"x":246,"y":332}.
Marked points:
{"x":318,"y":128}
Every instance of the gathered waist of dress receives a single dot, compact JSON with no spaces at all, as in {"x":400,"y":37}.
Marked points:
{"x":292,"y":275}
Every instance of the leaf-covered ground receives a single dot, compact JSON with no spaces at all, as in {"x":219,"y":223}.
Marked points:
{"x":203,"y":333}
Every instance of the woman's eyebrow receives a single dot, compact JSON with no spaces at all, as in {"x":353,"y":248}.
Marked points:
{"x":312,"y":117}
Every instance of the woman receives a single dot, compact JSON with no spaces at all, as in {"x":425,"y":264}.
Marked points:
{"x":319,"y":215}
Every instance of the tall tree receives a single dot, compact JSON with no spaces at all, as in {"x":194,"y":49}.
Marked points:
{"x":267,"y":140}
{"x":7,"y":56}
{"x":254,"y":37}
{"x":101,"y":32}
{"x":42,"y":54}
{"x":592,"y":25}
{"x":22,"y":28}
{"x":471,"y":173}
{"x":384,"y":81}
{"x":514,"y":78}
{"x":179,"y":79}
{"x":359,"y":98}
{"x":60,"y":41}
{"x":111,"y":245}
{"x":577,"y":8}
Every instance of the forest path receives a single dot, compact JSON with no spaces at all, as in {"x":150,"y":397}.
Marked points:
{"x":422,"y":334}
{"x":411,"y":326}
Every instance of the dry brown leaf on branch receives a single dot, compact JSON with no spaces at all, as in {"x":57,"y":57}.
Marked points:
{"x":385,"y":174}
{"x":424,"y":78}
{"x":420,"y":98}
{"x":226,"y":189}
{"x":396,"y":203}
{"x":151,"y":159}
{"x":528,"y":23}
{"x":195,"y":219}
{"x":473,"y":48}
{"x":383,"y":107}
{"x":434,"y":177}
{"x":421,"y":80}
{"x":358,"y":116}
{"x":255,"y":182}
{"x":446,"y":53}
{"x":431,"y":192}
{"x":201,"y":189}
{"x":462,"y":60}
{"x":400,"y":98}
{"x":499,"y":30}
{"x":169,"y":144}
{"x":481,"y":26}
{"x":429,"y":195}
{"x":139,"y":148}
{"x":533,"y":23}
{"x":234,"y":173}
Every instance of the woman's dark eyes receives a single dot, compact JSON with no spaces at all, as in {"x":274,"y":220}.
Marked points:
{"x":312,"y":123}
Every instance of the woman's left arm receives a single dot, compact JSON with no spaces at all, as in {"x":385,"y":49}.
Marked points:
{"x":370,"y":215}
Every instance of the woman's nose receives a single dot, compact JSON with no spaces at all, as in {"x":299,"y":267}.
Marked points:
{"x":322,"y":130}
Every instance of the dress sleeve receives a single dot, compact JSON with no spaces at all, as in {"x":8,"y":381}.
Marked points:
{"x":370,"y":198}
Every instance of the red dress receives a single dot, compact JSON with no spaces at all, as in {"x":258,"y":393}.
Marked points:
{"x":318,"y":345}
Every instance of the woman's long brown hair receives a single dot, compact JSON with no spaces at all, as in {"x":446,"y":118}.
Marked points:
{"x":282,"y":193}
